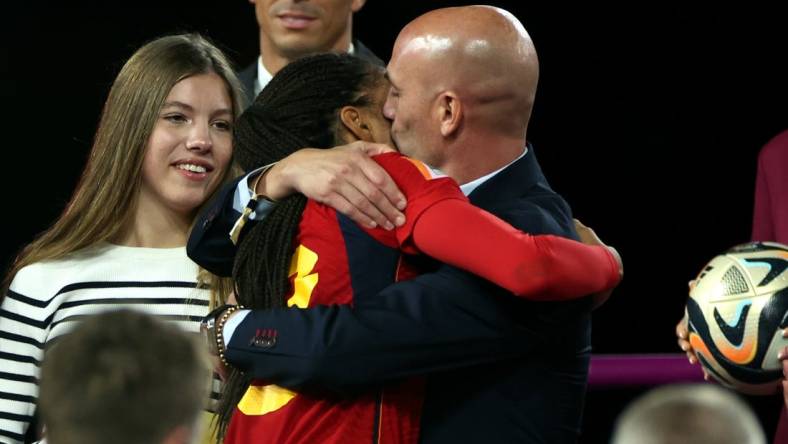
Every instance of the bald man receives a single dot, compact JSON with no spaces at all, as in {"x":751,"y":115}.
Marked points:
{"x":476,"y":82}
{"x":498,"y":368}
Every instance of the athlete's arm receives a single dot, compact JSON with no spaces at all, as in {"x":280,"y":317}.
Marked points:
{"x":543,"y":267}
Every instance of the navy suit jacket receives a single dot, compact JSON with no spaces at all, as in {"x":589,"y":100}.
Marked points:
{"x":248,"y":76}
{"x":499,"y":368}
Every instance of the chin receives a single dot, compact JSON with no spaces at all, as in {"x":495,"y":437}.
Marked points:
{"x":406,"y":152}
{"x":395,"y":144}
{"x":294,"y":46}
{"x":188,"y":204}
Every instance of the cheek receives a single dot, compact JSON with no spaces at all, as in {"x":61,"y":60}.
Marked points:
{"x":382,"y":134}
{"x":155,"y":151}
{"x":222,"y":152}
{"x":261,"y":12}
{"x":335,"y":15}
{"x":151,"y":167}
{"x":162,"y":141}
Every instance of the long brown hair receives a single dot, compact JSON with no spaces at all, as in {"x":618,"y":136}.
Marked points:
{"x":105,"y":198}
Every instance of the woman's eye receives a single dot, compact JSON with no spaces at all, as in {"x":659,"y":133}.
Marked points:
{"x":175,"y":118}
{"x":222,"y":125}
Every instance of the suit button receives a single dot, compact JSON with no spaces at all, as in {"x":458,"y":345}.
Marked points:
{"x":265,"y":342}
{"x":264,"y":338}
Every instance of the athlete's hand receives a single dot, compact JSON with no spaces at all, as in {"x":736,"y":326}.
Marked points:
{"x":589,"y":237}
{"x":785,"y":376}
{"x":783,"y":357}
{"x":344,"y":178}
{"x":682,"y":334}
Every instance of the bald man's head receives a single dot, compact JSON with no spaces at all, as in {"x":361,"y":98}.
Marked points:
{"x":473,"y":68}
{"x":488,"y":41}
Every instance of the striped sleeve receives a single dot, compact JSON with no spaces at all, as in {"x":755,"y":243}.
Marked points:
{"x":24,"y":322}
{"x":47,"y":300}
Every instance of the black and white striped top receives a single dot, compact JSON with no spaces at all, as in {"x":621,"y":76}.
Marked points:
{"x":46,"y":300}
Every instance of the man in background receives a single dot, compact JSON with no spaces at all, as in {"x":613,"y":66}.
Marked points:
{"x":290,"y":29}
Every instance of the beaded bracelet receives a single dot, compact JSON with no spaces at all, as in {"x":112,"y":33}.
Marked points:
{"x":220,"y":331}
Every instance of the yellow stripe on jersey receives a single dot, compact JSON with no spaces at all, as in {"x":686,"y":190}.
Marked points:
{"x":303,"y":262}
{"x":262,"y":399}
{"x":259,"y":400}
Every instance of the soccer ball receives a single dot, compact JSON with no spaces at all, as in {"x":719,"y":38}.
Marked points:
{"x":737,"y":311}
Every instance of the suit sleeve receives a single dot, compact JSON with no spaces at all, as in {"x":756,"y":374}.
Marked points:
{"x":438,"y":321}
{"x":209,"y":242}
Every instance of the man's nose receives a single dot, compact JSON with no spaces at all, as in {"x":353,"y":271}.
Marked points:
{"x":388,"y":110}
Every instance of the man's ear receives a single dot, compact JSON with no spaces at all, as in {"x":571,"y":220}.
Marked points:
{"x":354,"y":123}
{"x":450,"y":113}
{"x":357,"y":5}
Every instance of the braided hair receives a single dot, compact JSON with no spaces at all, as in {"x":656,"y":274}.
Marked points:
{"x":298,"y":108}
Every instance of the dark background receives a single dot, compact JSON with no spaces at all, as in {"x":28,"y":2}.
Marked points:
{"x":648,"y":120}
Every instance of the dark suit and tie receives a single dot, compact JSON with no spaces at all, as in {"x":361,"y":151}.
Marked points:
{"x":248,"y":76}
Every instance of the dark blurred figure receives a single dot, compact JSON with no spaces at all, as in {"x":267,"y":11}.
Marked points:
{"x":124,"y":378}
{"x":700,"y":414}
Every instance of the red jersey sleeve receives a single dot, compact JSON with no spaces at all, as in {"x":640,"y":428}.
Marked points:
{"x":422,"y":187}
{"x":541,"y":267}
{"x":441,"y":223}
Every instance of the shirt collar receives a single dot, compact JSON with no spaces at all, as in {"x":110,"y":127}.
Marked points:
{"x":263,"y":76}
{"x":469,"y":187}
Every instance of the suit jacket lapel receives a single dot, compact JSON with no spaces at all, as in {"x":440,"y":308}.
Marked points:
{"x":248,"y":77}
{"x":364,"y":52}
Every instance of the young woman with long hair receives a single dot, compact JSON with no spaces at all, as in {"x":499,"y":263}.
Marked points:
{"x":162,"y":147}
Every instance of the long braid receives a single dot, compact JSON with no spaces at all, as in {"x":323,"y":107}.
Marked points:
{"x":297,"y":109}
